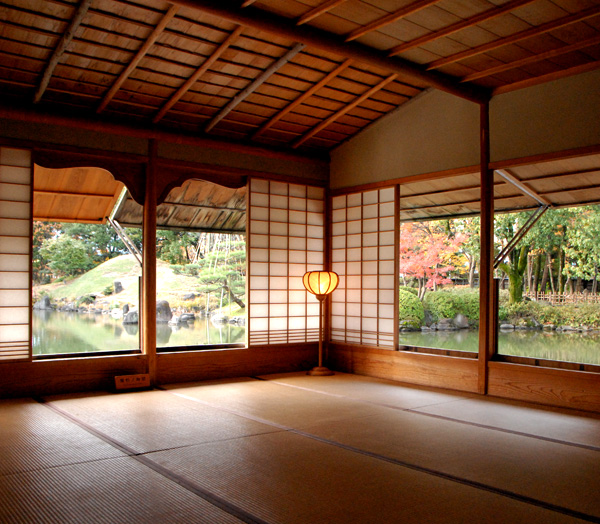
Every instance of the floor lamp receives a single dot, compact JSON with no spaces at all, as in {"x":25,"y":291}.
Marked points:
{"x":320,"y":284}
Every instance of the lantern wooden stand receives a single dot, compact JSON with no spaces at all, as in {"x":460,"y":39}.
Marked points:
{"x":320,"y":284}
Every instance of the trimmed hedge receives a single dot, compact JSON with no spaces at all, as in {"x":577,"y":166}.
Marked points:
{"x":411,"y":311}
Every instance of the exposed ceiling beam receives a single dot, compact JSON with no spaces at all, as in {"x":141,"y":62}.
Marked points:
{"x":517,"y":37}
{"x":61,"y":47}
{"x":319,"y":39}
{"x":198,"y":73}
{"x":260,"y":80}
{"x":307,"y":94}
{"x":390,"y":18}
{"x":169,"y":15}
{"x":533,"y":59}
{"x":459,"y":26}
{"x":343,"y":111}
{"x":319,"y":10}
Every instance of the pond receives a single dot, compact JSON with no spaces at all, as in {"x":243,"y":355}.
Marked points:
{"x":567,"y":347}
{"x":56,"y":332}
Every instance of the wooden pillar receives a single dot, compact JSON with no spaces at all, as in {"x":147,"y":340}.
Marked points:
{"x":487,"y":321}
{"x":148,"y":320}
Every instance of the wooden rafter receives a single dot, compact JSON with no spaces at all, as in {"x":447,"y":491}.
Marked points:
{"x":198,"y":73}
{"x":459,"y":26}
{"x":517,"y":37}
{"x":246,"y":3}
{"x":319,"y":10}
{"x":260,"y":80}
{"x":533,"y":59}
{"x":320,"y":39}
{"x":390,"y":18}
{"x":307,"y":94}
{"x":169,"y":15}
{"x":344,"y":110}
{"x":61,"y":47}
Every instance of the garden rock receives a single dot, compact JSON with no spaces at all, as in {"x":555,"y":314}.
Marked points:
{"x":460,"y":321}
{"x":163,"y":311}
{"x":43,"y":303}
{"x":548,"y":327}
{"x":118,"y":286}
{"x":132,"y":317}
{"x":507,"y":327}
{"x":189,"y":296}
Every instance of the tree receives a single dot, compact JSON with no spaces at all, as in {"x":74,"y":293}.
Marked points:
{"x":515,"y":263}
{"x":68,"y":256}
{"x":103,"y":240}
{"x":428,"y":253}
{"x":42,"y":231}
{"x":470,"y":248}
{"x":176,"y":247}
{"x":583,"y":248}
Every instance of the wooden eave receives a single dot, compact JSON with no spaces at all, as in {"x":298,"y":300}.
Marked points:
{"x":560,"y":183}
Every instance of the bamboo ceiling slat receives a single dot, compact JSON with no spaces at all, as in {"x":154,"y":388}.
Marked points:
{"x":122,"y":44}
{"x":318,"y":10}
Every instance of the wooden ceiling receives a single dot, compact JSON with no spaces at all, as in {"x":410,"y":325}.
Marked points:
{"x":304,"y":75}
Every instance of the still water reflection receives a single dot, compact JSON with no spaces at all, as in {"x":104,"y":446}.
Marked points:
{"x":566,"y":347}
{"x":56,"y":332}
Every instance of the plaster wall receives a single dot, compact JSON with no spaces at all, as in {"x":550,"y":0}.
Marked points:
{"x":546,"y":118}
{"x":433,"y":132}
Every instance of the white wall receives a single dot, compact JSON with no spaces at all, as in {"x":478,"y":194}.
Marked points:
{"x":437,"y":131}
{"x":556,"y":116}
{"x":433,"y":132}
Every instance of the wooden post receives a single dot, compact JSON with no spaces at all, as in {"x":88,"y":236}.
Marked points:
{"x":148,"y":320}
{"x":487,"y":321}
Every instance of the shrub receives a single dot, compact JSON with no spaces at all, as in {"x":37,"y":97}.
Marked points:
{"x":411,"y":311}
{"x":441,"y":304}
{"x":412,"y":290}
{"x":109,"y":290}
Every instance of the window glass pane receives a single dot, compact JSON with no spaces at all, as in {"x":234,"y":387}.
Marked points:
{"x":86,"y":282}
{"x":439,"y":264}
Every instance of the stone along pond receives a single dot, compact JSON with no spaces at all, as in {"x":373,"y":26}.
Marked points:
{"x":57,"y":332}
{"x":60,"y":332}
{"x":572,"y":346}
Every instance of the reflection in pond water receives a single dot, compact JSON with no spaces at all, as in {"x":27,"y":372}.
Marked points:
{"x":55,"y":332}
{"x":583,"y":348}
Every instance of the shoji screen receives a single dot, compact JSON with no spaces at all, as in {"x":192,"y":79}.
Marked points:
{"x":285,"y":239}
{"x":364,"y":255}
{"x":15,"y":248}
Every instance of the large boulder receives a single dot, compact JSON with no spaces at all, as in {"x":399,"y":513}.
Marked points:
{"x":118,"y":286}
{"x":43,"y":303}
{"x":460,"y":321}
{"x":163,"y":311}
{"x":131,"y":317}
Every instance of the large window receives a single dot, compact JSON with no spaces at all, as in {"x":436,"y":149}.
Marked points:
{"x":85,"y":271}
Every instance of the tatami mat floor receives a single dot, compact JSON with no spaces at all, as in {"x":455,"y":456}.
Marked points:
{"x":295,"y":449}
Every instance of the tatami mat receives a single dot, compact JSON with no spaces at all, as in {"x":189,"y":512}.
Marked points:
{"x":275,"y":403}
{"x":366,"y":389}
{"x":286,"y":478}
{"x":294,"y":449}
{"x":32,"y":438}
{"x":108,"y":491}
{"x":560,"y":424}
{"x":153,"y":420}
